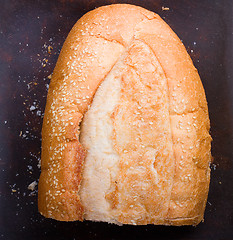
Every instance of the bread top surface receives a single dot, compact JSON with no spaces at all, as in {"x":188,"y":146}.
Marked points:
{"x":160,"y":123}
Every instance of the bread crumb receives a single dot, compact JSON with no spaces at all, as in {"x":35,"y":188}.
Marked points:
{"x":32,"y":186}
{"x":50,"y":48}
{"x":49,"y":76}
{"x":165,"y":8}
{"x":32,"y":108}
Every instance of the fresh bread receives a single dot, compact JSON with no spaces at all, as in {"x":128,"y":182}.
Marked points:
{"x":125,"y":136}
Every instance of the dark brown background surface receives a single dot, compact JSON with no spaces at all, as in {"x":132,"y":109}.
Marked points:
{"x":27,"y":28}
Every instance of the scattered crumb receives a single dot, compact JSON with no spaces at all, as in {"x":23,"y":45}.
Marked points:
{"x":32,"y":108}
{"x":165,"y":8}
{"x":32,"y":186}
{"x":20,"y":134}
{"x":213,"y":166}
{"x":38,"y":113}
{"x":13,"y":190}
{"x":39,"y":164}
{"x":32,"y":194}
{"x":50,"y":48}
{"x":49,"y":76}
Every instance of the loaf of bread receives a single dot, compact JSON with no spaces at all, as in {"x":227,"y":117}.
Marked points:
{"x":125,"y":136}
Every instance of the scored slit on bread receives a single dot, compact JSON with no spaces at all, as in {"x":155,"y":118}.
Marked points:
{"x":126,"y":129}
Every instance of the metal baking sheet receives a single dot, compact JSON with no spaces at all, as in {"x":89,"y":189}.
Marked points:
{"x":31,"y":37}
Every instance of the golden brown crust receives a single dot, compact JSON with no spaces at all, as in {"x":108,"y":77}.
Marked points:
{"x":189,"y":120}
{"x":159,"y":76}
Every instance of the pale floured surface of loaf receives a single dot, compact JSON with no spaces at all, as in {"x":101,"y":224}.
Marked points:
{"x":102,"y":161}
{"x":149,"y":139}
{"x":143,"y":138}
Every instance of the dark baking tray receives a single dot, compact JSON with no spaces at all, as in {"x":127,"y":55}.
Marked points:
{"x":27,"y":29}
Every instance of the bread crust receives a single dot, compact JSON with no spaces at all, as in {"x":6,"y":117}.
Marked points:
{"x":90,"y":51}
